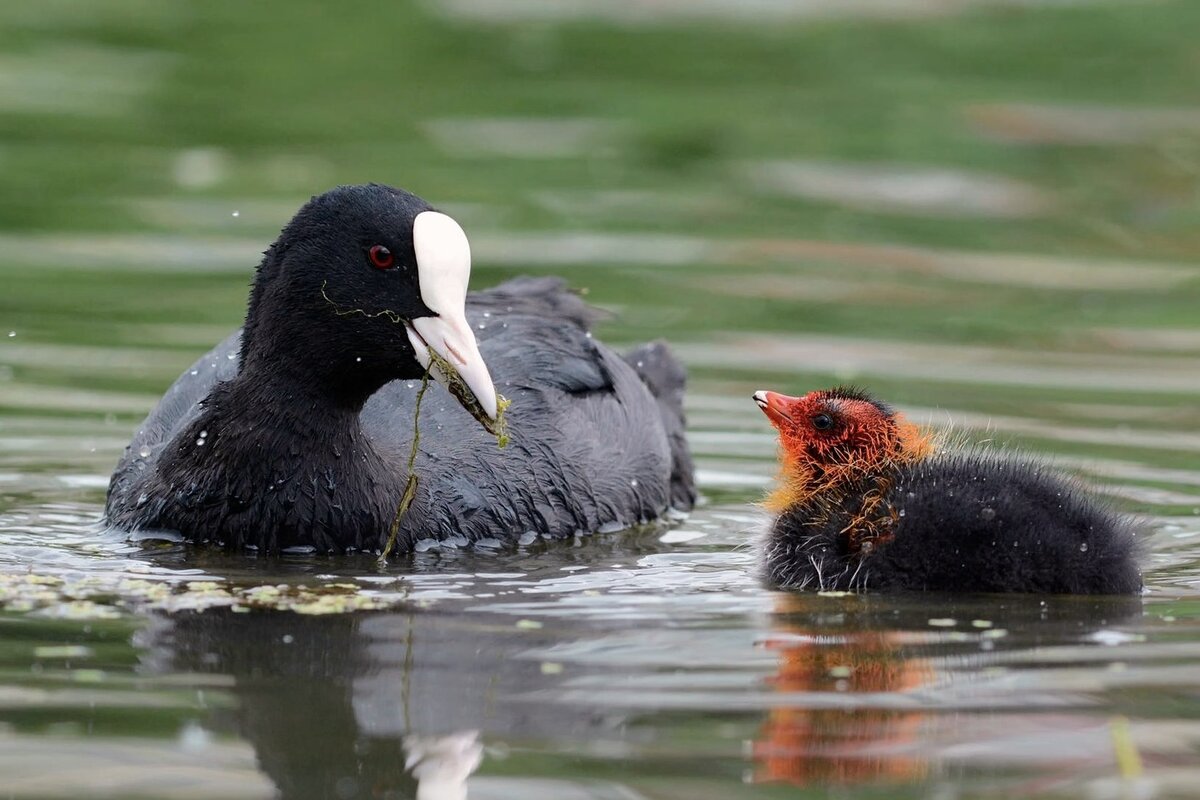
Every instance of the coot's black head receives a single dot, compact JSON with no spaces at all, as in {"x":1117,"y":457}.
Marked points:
{"x":359,"y":288}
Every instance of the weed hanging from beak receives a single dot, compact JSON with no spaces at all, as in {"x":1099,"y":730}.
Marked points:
{"x":498,"y":427}
{"x":458,"y":388}
{"x":410,"y":486}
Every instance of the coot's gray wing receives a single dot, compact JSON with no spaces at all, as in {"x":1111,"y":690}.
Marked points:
{"x":655,"y":364}
{"x":588,"y":450}
{"x":666,"y":379}
{"x":175,"y":411}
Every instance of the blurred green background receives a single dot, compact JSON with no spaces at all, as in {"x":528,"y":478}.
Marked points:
{"x":849,"y":181}
{"x":109,"y":110}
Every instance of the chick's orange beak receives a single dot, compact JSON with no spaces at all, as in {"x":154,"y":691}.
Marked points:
{"x":776,"y":406}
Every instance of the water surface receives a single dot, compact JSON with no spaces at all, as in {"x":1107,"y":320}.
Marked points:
{"x":983,"y":211}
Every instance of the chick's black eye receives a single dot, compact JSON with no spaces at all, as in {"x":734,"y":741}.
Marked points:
{"x":381,"y":257}
{"x":822,"y":422}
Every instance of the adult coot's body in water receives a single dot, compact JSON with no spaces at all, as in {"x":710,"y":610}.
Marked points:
{"x":296,"y":431}
{"x":865,"y":501}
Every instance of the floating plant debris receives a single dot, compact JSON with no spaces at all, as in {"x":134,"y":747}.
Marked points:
{"x":99,"y":598}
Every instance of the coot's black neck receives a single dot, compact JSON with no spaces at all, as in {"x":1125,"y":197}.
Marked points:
{"x":288,"y":459}
{"x":294,"y":373}
{"x":286,"y":407}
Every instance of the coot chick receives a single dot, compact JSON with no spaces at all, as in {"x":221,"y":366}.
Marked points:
{"x":295,"y":432}
{"x":867,"y":500}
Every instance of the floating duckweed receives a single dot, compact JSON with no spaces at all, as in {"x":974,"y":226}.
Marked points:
{"x":95,"y":598}
{"x":322,"y":599}
{"x":265,"y":594}
{"x":80,"y":609}
{"x":333,"y":604}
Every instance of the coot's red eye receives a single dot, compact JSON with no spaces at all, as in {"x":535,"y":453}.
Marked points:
{"x":381,"y":257}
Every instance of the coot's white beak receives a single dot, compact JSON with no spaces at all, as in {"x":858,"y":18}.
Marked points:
{"x":443,"y":269}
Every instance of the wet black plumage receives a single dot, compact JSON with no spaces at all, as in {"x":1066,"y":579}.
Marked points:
{"x":967,"y":522}
{"x":296,"y":431}
{"x":960,"y":521}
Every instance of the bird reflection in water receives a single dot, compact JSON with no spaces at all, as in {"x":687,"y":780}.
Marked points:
{"x":440,"y":765}
{"x":813,"y":738}
{"x":389,"y":705}
{"x":870,"y":689}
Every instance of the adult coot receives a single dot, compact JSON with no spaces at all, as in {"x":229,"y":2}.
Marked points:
{"x":866,"y":500}
{"x":296,"y":431}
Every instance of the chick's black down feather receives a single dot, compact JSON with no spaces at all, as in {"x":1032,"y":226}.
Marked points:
{"x":965,"y":522}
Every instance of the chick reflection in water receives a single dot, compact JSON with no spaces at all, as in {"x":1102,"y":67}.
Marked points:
{"x":803,"y":744}
{"x":870,"y":689}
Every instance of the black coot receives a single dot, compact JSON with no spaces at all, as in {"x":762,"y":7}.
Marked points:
{"x":866,"y":501}
{"x":295,"y":432}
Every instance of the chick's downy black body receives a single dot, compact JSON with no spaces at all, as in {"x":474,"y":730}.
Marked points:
{"x":964,"y":522}
{"x":296,"y":432}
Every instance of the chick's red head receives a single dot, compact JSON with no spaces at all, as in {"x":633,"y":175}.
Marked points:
{"x":833,"y":426}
